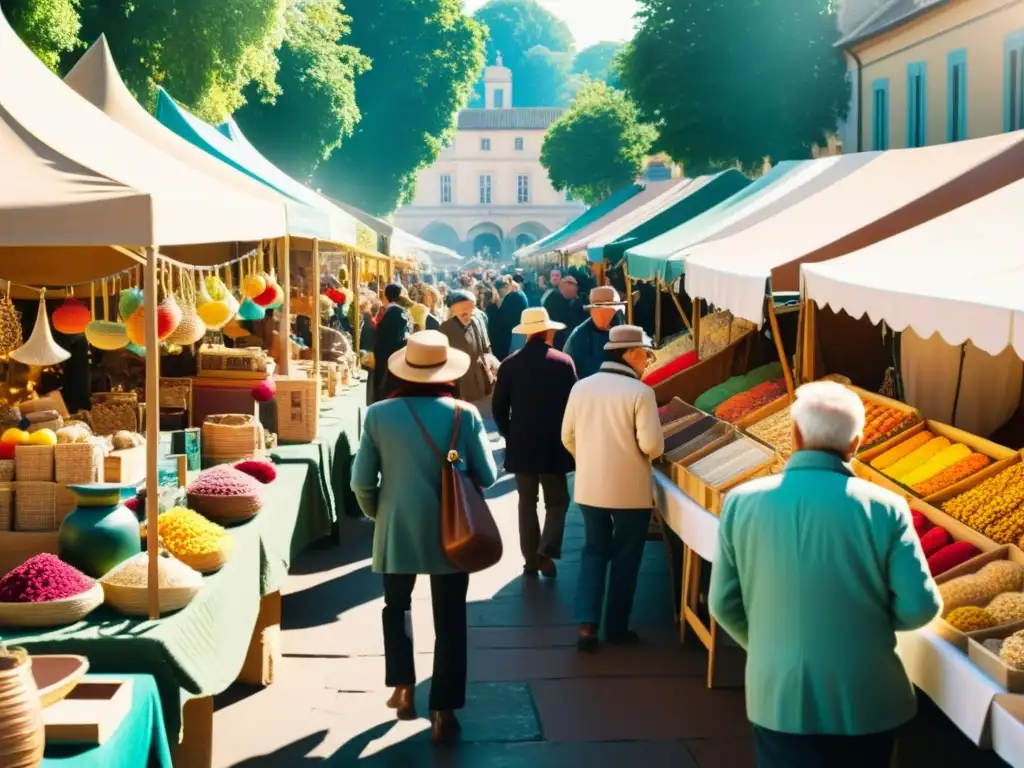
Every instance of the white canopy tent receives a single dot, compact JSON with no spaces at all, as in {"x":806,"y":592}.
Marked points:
{"x":894,"y":192}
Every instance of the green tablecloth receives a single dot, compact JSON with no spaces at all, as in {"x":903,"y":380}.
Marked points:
{"x":331,"y":455}
{"x":293,"y":519}
{"x":139,"y":742}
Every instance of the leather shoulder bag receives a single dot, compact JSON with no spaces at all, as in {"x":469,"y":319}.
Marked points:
{"x":469,"y":534}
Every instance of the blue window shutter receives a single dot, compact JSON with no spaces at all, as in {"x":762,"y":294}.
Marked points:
{"x":880,"y":114}
{"x":1014,"y":42}
{"x":956,"y":101}
{"x":917,"y":93}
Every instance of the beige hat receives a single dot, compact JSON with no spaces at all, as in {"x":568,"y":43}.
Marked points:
{"x":536,"y":320}
{"x":604,"y":296}
{"x":428,"y":359}
{"x":628,"y":337}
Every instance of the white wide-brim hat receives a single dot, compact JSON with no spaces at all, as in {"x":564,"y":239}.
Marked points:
{"x":427,"y":358}
{"x":628,"y":337}
{"x":536,"y":320}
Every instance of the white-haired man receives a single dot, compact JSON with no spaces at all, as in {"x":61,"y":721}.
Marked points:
{"x":816,"y":572}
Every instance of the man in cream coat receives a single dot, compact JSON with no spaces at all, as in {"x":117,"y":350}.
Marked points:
{"x":612,"y":429}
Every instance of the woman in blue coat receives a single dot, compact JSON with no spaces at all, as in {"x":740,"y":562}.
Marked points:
{"x":396,"y":477}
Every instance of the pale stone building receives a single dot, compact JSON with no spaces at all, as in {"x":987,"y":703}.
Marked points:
{"x":488,"y":192}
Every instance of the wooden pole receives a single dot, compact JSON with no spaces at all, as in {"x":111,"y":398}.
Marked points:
{"x":695,"y":324}
{"x":316,"y":315}
{"x":629,"y":294}
{"x":657,"y":313}
{"x":679,"y":307}
{"x":284,"y":279}
{"x":798,"y":358}
{"x":357,"y":326}
{"x":780,"y":348}
{"x":152,"y":430}
{"x":810,"y":341}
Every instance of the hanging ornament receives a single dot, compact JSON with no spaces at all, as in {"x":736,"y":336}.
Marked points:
{"x":278,"y":301}
{"x":253,"y":286}
{"x":71,"y":317}
{"x":10,"y":326}
{"x":41,"y":349}
{"x":137,"y":350}
{"x":234,"y":330}
{"x":251,"y":311}
{"x":191,"y":328}
{"x":135,"y":328}
{"x":129,"y":301}
{"x":266,"y":298}
{"x":168,"y":315}
{"x":174,"y":349}
{"x":106,"y":335}
{"x":264,"y":391}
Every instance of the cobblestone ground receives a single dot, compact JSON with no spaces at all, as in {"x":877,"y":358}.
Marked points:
{"x":533,"y":701}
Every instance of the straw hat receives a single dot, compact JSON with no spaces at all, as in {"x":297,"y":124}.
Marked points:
{"x":604,"y":296}
{"x":628,"y":337}
{"x":427,"y":359}
{"x":536,"y":320}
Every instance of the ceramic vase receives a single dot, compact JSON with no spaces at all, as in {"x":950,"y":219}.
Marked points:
{"x":22,"y":735}
{"x":100,"y":533}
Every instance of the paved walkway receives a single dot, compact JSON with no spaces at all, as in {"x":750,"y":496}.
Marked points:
{"x":533,"y":701}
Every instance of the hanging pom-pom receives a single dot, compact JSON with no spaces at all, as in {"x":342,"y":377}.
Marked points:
{"x":264,"y":391}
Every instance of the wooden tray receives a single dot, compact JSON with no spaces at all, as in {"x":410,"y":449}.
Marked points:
{"x":90,"y":714}
{"x":874,"y":397}
{"x":990,"y":663}
{"x":958,"y":530}
{"x":710,"y":497}
{"x":763,"y":412}
{"x":1002,"y":458}
{"x":57,"y":676}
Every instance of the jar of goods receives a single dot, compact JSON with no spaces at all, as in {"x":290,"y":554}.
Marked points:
{"x":46,"y":592}
{"x":190,"y":537}
{"x":22,"y":735}
{"x":101,"y":532}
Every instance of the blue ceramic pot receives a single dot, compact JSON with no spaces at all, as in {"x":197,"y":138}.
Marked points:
{"x":101,"y":533}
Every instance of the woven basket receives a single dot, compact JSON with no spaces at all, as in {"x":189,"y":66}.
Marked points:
{"x":54,"y":613}
{"x":298,"y":409}
{"x":6,"y":507}
{"x":115,"y":411}
{"x":230,"y":437}
{"x":134,"y":601}
{"x":6,"y":470}
{"x":211,"y":561}
{"x":78,"y":463}
{"x":34,"y":463}
{"x":35,"y":506}
{"x":226,"y":509}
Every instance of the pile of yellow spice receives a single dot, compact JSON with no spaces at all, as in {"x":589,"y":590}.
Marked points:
{"x":193,"y":539}
{"x":994,"y":507}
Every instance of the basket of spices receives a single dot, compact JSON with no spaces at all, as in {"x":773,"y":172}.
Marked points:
{"x":203,"y":546}
{"x":44,"y":591}
{"x":125,"y":588}
{"x":226,"y":495}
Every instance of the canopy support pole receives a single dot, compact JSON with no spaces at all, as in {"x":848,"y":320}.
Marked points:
{"x":316,"y":317}
{"x":810,"y":341}
{"x":695,"y":325}
{"x":150,"y":300}
{"x":798,"y":358}
{"x":629,"y":294}
{"x":657,"y":313}
{"x":780,"y":348}
{"x":354,"y":266}
{"x":675,"y":300}
{"x":285,"y":281}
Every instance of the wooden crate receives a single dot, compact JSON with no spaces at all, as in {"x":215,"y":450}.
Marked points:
{"x":298,"y":409}
{"x":990,"y":663}
{"x":1002,"y":458}
{"x":762,"y":413}
{"x":874,"y":397}
{"x":959,"y":531}
{"x":710,"y":497}
{"x":126,"y":466}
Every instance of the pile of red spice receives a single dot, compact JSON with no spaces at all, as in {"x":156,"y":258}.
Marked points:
{"x":41,"y":579}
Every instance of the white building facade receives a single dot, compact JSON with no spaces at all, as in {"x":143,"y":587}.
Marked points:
{"x":488,"y":193}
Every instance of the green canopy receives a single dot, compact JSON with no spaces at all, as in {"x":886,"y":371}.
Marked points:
{"x":590,"y":215}
{"x":647,"y":260}
{"x":722,"y":186}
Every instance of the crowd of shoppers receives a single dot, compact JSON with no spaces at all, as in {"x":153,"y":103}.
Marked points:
{"x":811,"y":547}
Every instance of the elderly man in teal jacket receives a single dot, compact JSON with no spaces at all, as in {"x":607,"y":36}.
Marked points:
{"x":816,"y":572}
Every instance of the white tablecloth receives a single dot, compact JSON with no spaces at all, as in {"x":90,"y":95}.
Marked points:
{"x":957,"y":687}
{"x":1007,"y":728}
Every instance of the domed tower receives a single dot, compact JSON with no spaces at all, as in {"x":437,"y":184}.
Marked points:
{"x":498,"y":86}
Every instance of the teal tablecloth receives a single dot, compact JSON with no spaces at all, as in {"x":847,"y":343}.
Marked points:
{"x":139,"y":742}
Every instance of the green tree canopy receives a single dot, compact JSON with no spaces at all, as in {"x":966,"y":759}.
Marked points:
{"x":316,"y":108}
{"x":596,"y":62}
{"x":737,"y":80}
{"x":204,"y":53}
{"x":517,"y":28}
{"x":425,"y":58}
{"x":48,"y":27}
{"x":598,"y":145}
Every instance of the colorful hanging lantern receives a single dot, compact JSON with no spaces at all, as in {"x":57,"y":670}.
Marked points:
{"x":41,"y":349}
{"x":214,"y":314}
{"x":278,"y":301}
{"x":234,"y":330}
{"x":190,"y":330}
{"x":168,"y":315}
{"x":266,"y":298}
{"x":71,"y":317}
{"x":135,"y":328}
{"x":106,"y":335}
{"x":253,"y":286}
{"x":251,"y":311}
{"x":264,"y":391}
{"x":129,"y":301}
{"x":137,"y":350}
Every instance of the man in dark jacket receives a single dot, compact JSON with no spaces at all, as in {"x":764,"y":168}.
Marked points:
{"x":509,"y":311}
{"x":585,"y":344}
{"x":529,"y":402}
{"x":394,"y":327}
{"x":564,"y":306}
